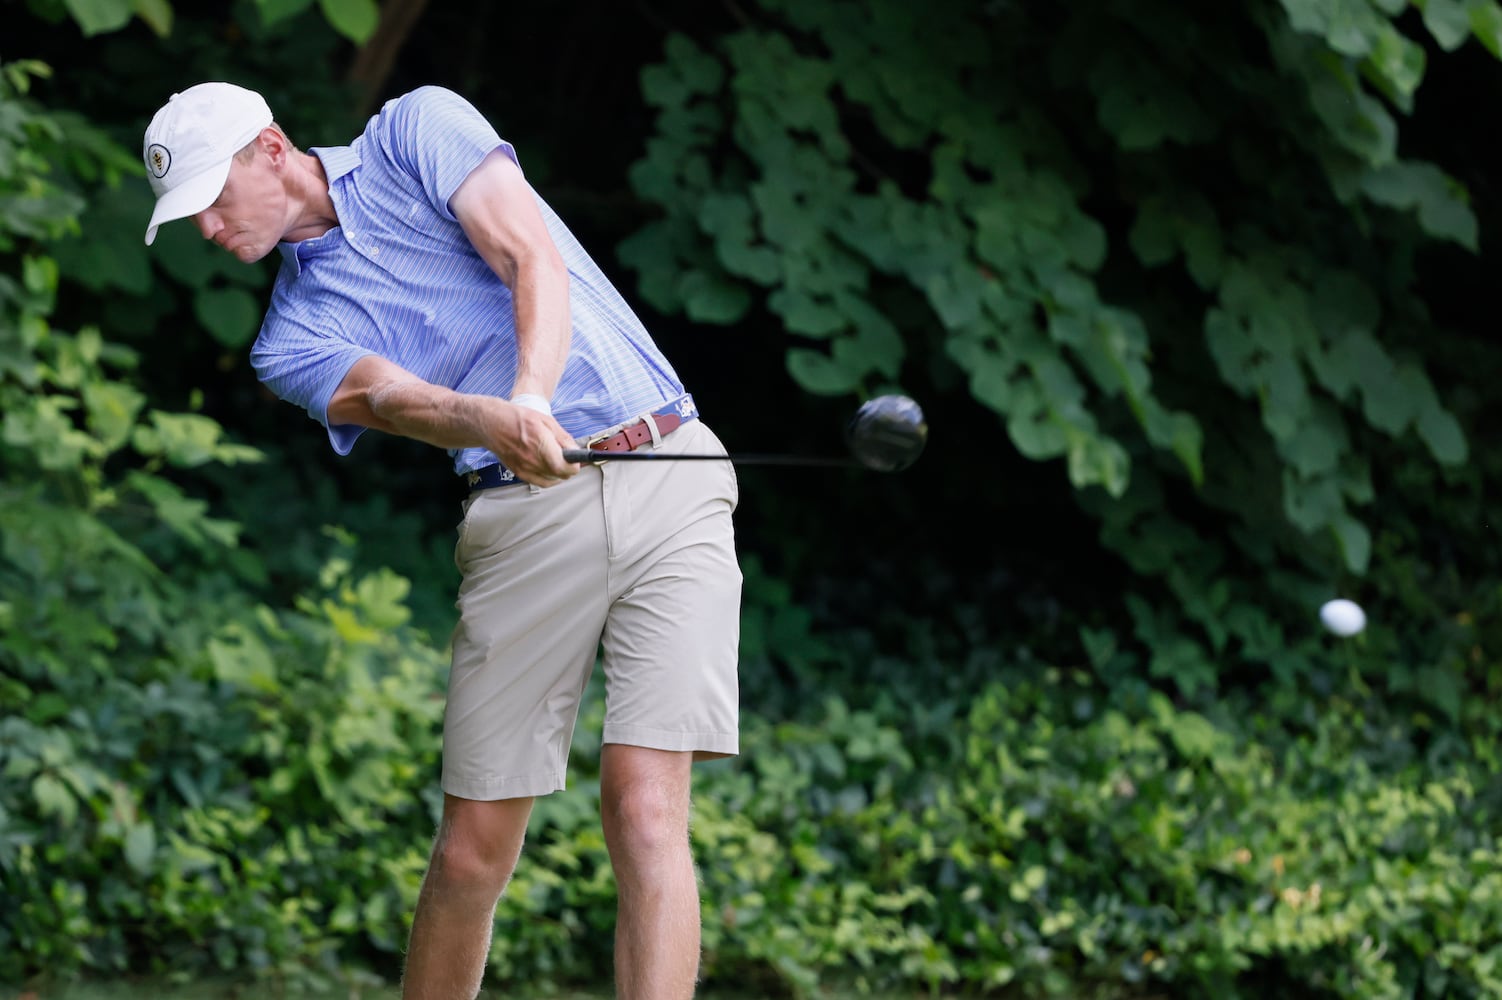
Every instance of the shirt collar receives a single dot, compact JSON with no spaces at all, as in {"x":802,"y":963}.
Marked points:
{"x":337,"y":161}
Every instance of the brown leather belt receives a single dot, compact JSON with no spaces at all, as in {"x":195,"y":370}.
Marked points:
{"x":667,"y":419}
{"x":638,"y":434}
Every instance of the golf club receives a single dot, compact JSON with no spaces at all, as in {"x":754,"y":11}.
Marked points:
{"x":886,"y":434}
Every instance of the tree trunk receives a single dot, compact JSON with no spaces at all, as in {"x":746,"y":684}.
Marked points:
{"x":372,"y":64}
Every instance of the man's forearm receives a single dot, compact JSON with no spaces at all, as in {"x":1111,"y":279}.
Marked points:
{"x":380,"y":395}
{"x":434,"y":414}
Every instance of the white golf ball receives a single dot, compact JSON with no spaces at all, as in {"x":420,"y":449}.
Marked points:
{"x":1342,"y":617}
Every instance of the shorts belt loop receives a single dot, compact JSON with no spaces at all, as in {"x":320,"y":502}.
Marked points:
{"x":651,"y":421}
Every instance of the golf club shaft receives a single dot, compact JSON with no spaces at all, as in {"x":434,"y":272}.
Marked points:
{"x":587,"y":457}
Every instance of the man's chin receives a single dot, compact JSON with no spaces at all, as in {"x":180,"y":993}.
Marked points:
{"x":249,"y":253}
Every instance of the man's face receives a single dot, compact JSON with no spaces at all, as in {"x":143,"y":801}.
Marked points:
{"x":249,"y":216}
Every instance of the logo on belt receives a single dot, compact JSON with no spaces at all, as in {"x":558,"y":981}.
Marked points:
{"x":504,"y":476}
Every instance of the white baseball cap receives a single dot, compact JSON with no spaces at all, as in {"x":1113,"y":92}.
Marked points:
{"x":190,"y":143}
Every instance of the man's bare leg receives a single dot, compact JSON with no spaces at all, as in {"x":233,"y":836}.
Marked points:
{"x":474,"y":855}
{"x":644,"y":805}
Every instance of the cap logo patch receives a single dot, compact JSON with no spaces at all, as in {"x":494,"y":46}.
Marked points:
{"x":158,"y":160}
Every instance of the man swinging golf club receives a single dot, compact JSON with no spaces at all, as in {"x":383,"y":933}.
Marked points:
{"x":426,"y":290}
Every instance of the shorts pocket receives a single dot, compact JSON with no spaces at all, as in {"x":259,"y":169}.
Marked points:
{"x":487,"y":517}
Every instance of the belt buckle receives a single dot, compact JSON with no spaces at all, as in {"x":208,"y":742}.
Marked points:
{"x":604,"y":435}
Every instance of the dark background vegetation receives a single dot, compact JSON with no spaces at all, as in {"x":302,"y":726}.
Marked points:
{"x":1049,"y":714}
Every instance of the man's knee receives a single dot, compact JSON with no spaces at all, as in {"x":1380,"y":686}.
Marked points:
{"x":478,"y":845}
{"x":644,"y":804}
{"x":462,"y":866}
{"x":645,"y":821}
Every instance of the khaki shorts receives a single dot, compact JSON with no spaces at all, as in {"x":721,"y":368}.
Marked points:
{"x":633,"y":557}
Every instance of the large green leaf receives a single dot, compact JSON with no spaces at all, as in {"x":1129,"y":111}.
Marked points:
{"x":1350,"y":27}
{"x":1037,"y":433}
{"x":709,"y":297}
{"x":1396,"y":64}
{"x":188,"y":439}
{"x":232,"y":315}
{"x":1442,"y":434}
{"x":1441,"y":203}
{"x":821,"y":374}
{"x":991,"y":383}
{"x":1355,"y":542}
{"x":96,"y":17}
{"x":354,"y":19}
{"x":1448,"y":21}
{"x":140,"y":847}
{"x":1316,"y":446}
{"x":112,"y":410}
{"x":54,"y":799}
{"x":157,"y":14}
{"x":1098,"y":461}
{"x":1312,"y":503}
{"x":806,"y":314}
{"x":1486,"y":22}
{"x":273,"y":11}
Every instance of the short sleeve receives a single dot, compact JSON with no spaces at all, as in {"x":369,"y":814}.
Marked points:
{"x":439,"y":138}
{"x":305,"y":369}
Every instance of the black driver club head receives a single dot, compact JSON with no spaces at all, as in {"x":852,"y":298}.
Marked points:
{"x":887,"y":433}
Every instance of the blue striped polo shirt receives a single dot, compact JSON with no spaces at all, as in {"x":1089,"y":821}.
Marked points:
{"x":398,"y":278}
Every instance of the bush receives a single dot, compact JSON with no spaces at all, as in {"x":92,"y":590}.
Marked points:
{"x":1093,"y":843}
{"x":1071,"y":841}
{"x":189,"y":778}
{"x":1121,"y":839}
{"x":260,"y":804}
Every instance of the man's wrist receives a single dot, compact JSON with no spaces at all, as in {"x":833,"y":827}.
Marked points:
{"x":533,"y":401}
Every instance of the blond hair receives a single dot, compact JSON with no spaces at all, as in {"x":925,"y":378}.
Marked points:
{"x":247,"y":152}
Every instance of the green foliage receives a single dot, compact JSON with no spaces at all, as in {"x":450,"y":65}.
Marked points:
{"x":354,"y":19}
{"x":222,"y":787}
{"x":1047,"y":835}
{"x":1249,"y":857}
{"x":1103,"y":242}
{"x":190,"y":779}
{"x":104,"y":254}
{"x":97,"y":17}
{"x":1178,"y":254}
{"x":35,"y":201}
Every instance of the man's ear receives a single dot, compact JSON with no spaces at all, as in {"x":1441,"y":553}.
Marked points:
{"x":274,"y":145}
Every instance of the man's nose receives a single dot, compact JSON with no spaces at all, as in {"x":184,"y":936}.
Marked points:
{"x":208,"y":223}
